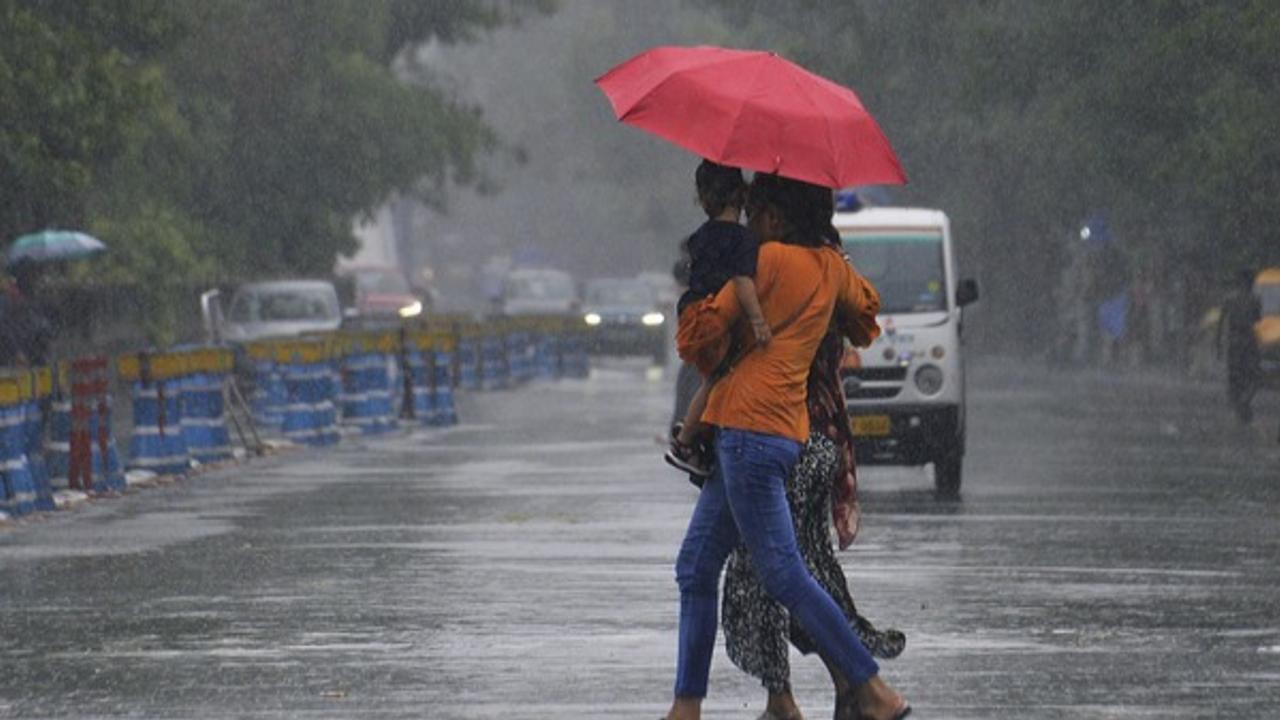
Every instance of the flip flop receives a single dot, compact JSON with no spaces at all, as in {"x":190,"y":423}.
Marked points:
{"x":903,"y":711}
{"x":766,"y":715}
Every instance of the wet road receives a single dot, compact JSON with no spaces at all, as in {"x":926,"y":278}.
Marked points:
{"x":1114,"y":556}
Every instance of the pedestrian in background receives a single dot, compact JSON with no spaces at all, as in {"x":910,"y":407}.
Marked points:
{"x":9,"y":334}
{"x":1240,"y":313}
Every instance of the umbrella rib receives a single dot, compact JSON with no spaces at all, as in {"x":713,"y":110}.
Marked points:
{"x":826,"y":122}
{"x":738,"y":118}
{"x":653,"y":89}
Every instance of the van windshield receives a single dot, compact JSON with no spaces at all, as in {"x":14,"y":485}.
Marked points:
{"x":906,"y":267}
{"x":283,"y":305}
{"x":540,"y":287}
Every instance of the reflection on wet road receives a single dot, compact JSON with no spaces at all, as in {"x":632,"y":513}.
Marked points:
{"x":1113,"y":556}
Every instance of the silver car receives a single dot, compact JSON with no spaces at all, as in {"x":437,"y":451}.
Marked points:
{"x":282,"y":308}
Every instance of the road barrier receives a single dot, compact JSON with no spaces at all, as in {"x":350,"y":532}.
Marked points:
{"x":367,"y":367}
{"x":158,"y":442}
{"x":94,"y":462}
{"x":36,"y":407}
{"x":430,"y":354}
{"x":204,"y":413}
{"x":269,"y":395}
{"x":445,"y":346}
{"x":518,"y":347}
{"x":303,"y":389}
{"x":58,"y":447}
{"x":310,"y":416}
{"x":495,"y":370}
{"x":469,"y":357}
{"x":22,"y":490}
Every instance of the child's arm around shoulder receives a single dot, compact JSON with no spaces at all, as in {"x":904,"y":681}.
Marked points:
{"x":745,"y":288}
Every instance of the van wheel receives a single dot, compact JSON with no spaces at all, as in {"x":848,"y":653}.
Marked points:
{"x":947,"y":474}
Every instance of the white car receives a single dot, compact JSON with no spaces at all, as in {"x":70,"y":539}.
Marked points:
{"x":282,"y":308}
{"x":530,"y":291}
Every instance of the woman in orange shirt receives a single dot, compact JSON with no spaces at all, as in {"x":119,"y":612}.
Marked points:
{"x":758,"y":409}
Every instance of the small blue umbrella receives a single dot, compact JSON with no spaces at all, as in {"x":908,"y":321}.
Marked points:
{"x":52,"y":245}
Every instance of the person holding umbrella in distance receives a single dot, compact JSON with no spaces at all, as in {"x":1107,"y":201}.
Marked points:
{"x":804,"y":136}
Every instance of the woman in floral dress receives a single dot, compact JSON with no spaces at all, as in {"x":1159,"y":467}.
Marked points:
{"x":822,"y":491}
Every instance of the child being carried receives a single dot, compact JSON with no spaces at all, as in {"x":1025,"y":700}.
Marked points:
{"x":720,"y":251}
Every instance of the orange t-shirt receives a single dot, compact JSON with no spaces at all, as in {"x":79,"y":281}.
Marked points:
{"x":764,"y":391}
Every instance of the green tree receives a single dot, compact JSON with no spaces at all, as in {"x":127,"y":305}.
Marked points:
{"x":1022,"y":118}
{"x":211,"y":141}
{"x":75,"y":85}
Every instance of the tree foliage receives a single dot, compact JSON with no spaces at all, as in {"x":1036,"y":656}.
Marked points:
{"x":231,"y":139}
{"x":1021,"y":119}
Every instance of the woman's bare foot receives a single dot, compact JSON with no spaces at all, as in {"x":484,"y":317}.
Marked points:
{"x":782,"y":706}
{"x":873,"y":700}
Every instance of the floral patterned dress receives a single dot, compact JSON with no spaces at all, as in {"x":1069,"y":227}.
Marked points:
{"x":757,"y":627}
{"x":821,"y":489}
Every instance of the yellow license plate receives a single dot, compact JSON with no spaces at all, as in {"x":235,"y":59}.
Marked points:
{"x":871,"y":425}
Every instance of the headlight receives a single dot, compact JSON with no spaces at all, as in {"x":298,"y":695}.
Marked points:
{"x":591,"y":318}
{"x":653,"y":318}
{"x":413,"y":309}
{"x":929,"y":379}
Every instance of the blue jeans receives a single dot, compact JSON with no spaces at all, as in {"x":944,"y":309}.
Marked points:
{"x":746,"y":495}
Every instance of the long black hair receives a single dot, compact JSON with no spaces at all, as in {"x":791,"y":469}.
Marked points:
{"x":804,"y":208}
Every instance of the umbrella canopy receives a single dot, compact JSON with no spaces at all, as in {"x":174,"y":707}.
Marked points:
{"x":51,"y":245}
{"x":753,"y":110}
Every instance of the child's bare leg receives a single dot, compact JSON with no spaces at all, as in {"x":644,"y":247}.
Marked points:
{"x":693,"y":425}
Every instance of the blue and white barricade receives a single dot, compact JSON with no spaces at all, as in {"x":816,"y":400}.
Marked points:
{"x":159,"y":442}
{"x":546,"y":356}
{"x":310,"y":416}
{"x":42,"y":390}
{"x":446,"y":412}
{"x":517,"y":358}
{"x":58,"y":447}
{"x":421,"y":372}
{"x":204,"y":417}
{"x":573,"y":356}
{"x":469,"y":363}
{"x":269,"y":394}
{"x":17,"y":484}
{"x":494,"y":370}
{"x":367,"y":392}
{"x":108,"y":472}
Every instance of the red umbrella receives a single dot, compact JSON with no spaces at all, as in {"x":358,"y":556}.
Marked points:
{"x":753,"y":110}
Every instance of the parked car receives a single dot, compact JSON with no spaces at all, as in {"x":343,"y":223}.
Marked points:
{"x":530,"y":291}
{"x":382,"y":292}
{"x":281,"y":308}
{"x":664,"y":286}
{"x":624,"y":317}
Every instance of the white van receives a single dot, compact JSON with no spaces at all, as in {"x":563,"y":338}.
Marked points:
{"x":906,"y":393}
{"x":537,"y":291}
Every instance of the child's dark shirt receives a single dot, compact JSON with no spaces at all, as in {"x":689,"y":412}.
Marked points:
{"x":718,"y":251}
